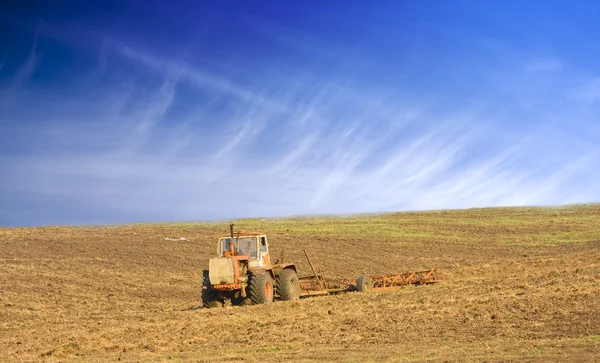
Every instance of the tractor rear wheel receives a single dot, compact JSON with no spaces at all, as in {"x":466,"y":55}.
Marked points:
{"x":288,"y":285}
{"x":260,"y":288}
{"x":364,"y":284}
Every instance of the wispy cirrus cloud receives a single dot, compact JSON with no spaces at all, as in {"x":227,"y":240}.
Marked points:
{"x":588,"y":92}
{"x":169,"y":139}
{"x":200,"y":78}
{"x":25,"y":71}
{"x":544,"y":65}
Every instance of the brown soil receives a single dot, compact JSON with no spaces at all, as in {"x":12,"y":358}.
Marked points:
{"x":519,"y":284}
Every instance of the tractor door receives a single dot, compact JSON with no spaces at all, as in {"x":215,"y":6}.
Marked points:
{"x":263,"y":257}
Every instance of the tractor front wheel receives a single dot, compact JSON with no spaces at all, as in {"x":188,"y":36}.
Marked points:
{"x":260,"y":288}
{"x":210,"y":298}
{"x":288,"y":285}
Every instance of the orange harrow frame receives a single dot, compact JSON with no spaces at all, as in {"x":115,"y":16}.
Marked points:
{"x":316,"y":284}
{"x":409,"y":278}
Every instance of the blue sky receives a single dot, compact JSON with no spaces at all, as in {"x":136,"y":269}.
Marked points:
{"x":133,"y":111}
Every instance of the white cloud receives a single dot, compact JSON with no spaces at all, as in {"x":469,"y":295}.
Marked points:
{"x":319,"y":147}
{"x":544,"y":65}
{"x":26,"y":70}
{"x":589,"y":92}
{"x":201,"y":78}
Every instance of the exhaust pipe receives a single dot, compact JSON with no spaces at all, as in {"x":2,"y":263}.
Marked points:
{"x":231,"y":243}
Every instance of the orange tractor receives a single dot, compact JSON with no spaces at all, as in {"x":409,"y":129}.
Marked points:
{"x":243,"y":273}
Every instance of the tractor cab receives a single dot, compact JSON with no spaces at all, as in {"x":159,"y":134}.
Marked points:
{"x":251,"y":244}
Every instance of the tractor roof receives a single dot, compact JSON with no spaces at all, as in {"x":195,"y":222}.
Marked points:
{"x":242,"y":233}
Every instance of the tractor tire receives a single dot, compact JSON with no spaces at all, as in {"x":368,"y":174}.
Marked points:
{"x":364,"y":284}
{"x":210,"y":298}
{"x":260,"y":288}
{"x":211,"y":302}
{"x":288,"y":285}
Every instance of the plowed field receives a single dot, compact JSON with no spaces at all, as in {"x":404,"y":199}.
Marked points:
{"x":520,"y":283}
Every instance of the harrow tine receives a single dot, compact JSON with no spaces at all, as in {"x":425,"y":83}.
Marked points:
{"x":409,"y":278}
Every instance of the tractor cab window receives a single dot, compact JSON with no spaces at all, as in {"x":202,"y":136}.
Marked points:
{"x":263,"y":244}
{"x":225,"y":245}
{"x":248,"y":246}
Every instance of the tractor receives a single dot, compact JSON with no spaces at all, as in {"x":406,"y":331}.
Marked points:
{"x":242,"y":273}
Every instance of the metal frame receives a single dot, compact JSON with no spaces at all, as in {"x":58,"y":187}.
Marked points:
{"x":316,"y":284}
{"x":409,"y":278}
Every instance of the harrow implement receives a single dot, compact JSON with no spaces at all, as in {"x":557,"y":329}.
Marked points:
{"x":317,"y":284}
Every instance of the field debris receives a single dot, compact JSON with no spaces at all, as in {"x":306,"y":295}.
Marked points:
{"x":176,"y":239}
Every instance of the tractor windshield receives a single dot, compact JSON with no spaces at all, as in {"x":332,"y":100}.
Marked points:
{"x":247,"y":246}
